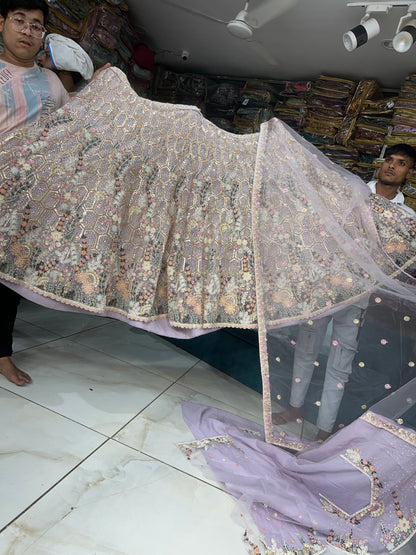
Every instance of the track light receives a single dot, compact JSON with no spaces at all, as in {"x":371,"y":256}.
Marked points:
{"x":403,"y":40}
{"x":406,"y":29}
{"x":359,"y":35}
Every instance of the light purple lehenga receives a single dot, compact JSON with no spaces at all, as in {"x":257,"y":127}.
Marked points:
{"x":148,"y":213}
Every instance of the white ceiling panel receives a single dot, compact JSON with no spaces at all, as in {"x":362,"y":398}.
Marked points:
{"x":305,"y":41}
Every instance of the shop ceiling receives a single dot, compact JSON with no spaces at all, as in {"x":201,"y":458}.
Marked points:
{"x":304,"y":42}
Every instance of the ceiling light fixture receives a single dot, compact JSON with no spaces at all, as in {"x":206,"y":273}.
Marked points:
{"x":369,"y":27}
{"x":405,"y":34}
{"x":405,"y":38}
{"x":359,"y":35}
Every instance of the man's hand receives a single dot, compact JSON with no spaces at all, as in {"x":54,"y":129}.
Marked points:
{"x":106,"y":66}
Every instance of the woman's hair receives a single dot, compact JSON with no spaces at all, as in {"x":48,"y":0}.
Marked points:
{"x":11,"y":5}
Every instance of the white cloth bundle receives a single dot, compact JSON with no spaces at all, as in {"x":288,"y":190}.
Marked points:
{"x":68,"y":55}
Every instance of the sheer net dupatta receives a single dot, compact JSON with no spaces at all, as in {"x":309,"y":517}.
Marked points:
{"x":334,"y":368}
{"x":322,"y":243}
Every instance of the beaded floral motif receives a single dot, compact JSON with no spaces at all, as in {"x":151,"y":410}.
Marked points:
{"x":348,"y":543}
{"x":374,"y":508}
{"x":23,"y":166}
{"x":250,"y":432}
{"x":406,"y":435}
{"x":310,"y":547}
{"x":286,"y":442}
{"x":400,"y":534}
{"x":191,"y":447}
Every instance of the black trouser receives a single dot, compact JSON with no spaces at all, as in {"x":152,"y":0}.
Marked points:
{"x":9,"y":301}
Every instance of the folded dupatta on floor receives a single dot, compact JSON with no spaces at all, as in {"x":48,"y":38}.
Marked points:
{"x":353,"y":494}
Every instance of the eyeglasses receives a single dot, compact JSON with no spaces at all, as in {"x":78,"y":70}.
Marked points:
{"x":19,"y":24}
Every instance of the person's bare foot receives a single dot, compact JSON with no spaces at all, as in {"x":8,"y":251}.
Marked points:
{"x":12,"y":372}
{"x":289,"y":415}
{"x":322,"y":436}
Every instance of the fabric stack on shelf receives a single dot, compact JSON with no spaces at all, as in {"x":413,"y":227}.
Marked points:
{"x":104,"y":31}
{"x":256,"y":105}
{"x":404,"y":115}
{"x":403,"y":129}
{"x":165,"y":85}
{"x":291,"y":105}
{"x":408,"y":88}
{"x":370,"y":134}
{"x":409,"y":191}
{"x":344,"y":156}
{"x":179,"y":88}
{"x":327,"y":104}
{"x":125,"y":45}
{"x":346,"y":120}
{"x":221,"y":102}
{"x":358,"y":139}
{"x":192,"y":89}
{"x":68,"y":18}
{"x":365,"y":90}
{"x":371,"y":129}
{"x":364,"y":170}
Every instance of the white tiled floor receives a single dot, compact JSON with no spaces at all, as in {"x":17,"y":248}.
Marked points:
{"x":89,"y":462}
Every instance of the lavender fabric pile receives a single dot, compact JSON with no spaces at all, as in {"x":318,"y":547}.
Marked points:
{"x":354,"y":494}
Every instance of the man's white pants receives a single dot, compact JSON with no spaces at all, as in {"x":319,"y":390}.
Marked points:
{"x":344,"y":342}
